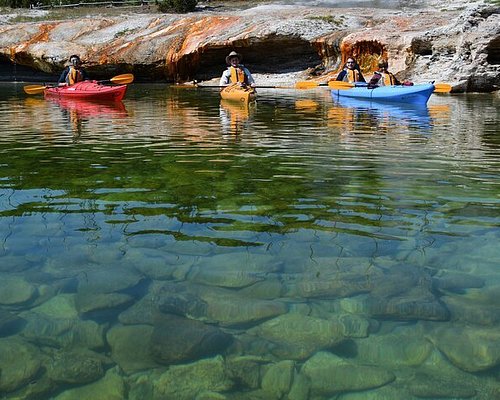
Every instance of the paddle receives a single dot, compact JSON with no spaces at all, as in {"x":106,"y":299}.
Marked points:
{"x":341,"y":85}
{"x":119,"y":79}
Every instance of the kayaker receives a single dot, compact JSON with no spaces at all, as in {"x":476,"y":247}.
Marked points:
{"x":236,"y":72}
{"x":383,"y":77}
{"x":351,"y":72}
{"x":73,"y":72}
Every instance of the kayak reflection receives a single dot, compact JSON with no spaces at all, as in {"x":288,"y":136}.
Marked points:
{"x":235,"y":116}
{"x":355,"y":113}
{"x":78,"y":111}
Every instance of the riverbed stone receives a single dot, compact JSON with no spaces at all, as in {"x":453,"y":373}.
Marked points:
{"x":19,"y":363}
{"x":108,"y":280}
{"x":456,"y":282}
{"x":110,"y":387}
{"x":303,"y":334}
{"x":330,"y":374}
{"x":434,"y":386}
{"x":471,"y":311}
{"x":157,"y":264}
{"x":185,"y":382}
{"x":405,"y":347}
{"x":16,"y":291}
{"x":96,"y":303}
{"x":176,"y":339}
{"x":10,"y":323}
{"x":278,"y":379}
{"x":76,"y":366}
{"x":62,"y":332}
{"x":470,"y":348}
{"x":131,"y":347}
{"x":245,"y":369}
{"x":60,"y":306}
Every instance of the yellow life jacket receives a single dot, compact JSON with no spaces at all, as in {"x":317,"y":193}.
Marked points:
{"x":351,"y":76}
{"x":73,"y":76}
{"x":237,"y":75}
{"x":388,"y":79}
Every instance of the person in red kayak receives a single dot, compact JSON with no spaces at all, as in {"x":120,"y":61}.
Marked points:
{"x":383,"y":77}
{"x":73,"y":73}
{"x":236,"y":72}
{"x":351,"y":72}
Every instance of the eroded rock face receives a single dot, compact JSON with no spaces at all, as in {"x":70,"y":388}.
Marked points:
{"x":458,"y":44}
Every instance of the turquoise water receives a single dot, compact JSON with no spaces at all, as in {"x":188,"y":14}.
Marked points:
{"x":173,"y":247}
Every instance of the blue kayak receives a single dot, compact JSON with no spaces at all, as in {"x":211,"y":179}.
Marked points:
{"x":416,"y":94}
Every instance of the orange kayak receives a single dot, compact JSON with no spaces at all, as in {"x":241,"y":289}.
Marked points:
{"x":237,"y":93}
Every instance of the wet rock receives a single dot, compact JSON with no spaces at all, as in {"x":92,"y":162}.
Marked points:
{"x":404,"y":347}
{"x":246,"y":370}
{"x":110,"y":387}
{"x":471,"y":349}
{"x":130,"y":347}
{"x":60,"y":306}
{"x":75,"y":367}
{"x":226,"y":307}
{"x":278,"y":379}
{"x":305,"y":335}
{"x":15,"y":291}
{"x":176,"y":339}
{"x":108,"y":280}
{"x":233,"y":270}
{"x":157,"y":264}
{"x":13,"y":263}
{"x":62,"y":332}
{"x":432,"y":386}
{"x":456,"y":282}
{"x":300,"y":388}
{"x":467,"y":310}
{"x":329,"y":375}
{"x":270,"y":288}
{"x":10,"y":323}
{"x":20,"y":362}
{"x":141,"y":312}
{"x":99,"y":303}
{"x":185,"y":382}
{"x":333,"y":284}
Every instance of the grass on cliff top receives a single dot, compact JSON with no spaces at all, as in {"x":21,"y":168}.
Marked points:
{"x":23,"y":15}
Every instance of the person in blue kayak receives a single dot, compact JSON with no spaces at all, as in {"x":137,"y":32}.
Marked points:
{"x":383,"y":77}
{"x":236,"y":73}
{"x":73,"y":73}
{"x":351,"y":72}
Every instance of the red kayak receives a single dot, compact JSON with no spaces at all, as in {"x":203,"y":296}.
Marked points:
{"x":88,"y":90}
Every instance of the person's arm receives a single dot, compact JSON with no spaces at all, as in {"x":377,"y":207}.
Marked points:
{"x":62,"y":78}
{"x":340,"y":76}
{"x":85,"y":76}
{"x":250,"y":79}
{"x":224,"y":80}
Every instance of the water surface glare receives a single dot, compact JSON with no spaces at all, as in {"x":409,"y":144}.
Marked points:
{"x":174,"y":246}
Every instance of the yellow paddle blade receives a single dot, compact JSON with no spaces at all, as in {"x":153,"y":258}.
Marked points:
{"x":123,"y":79}
{"x":442,"y":88}
{"x":34,"y":89}
{"x":306,"y":85}
{"x":340,"y":85}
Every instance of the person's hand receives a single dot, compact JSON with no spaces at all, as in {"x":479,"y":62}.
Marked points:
{"x":63,"y":84}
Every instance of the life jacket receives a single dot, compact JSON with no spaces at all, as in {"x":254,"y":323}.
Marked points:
{"x":386,"y":79}
{"x":73,"y":76}
{"x":238,"y":75}
{"x":351,"y":76}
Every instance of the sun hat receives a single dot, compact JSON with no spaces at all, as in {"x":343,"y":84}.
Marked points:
{"x":231,"y":55}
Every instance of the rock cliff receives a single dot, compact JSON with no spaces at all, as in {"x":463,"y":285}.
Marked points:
{"x":458,"y":43}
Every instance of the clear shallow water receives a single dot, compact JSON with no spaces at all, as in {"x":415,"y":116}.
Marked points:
{"x":281,"y":244}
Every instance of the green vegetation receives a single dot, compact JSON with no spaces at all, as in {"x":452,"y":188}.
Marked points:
{"x":178,"y":6}
{"x":331,"y":19}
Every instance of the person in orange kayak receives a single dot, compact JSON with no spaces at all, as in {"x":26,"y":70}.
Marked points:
{"x":73,"y":73}
{"x":236,"y":72}
{"x":351,"y":72}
